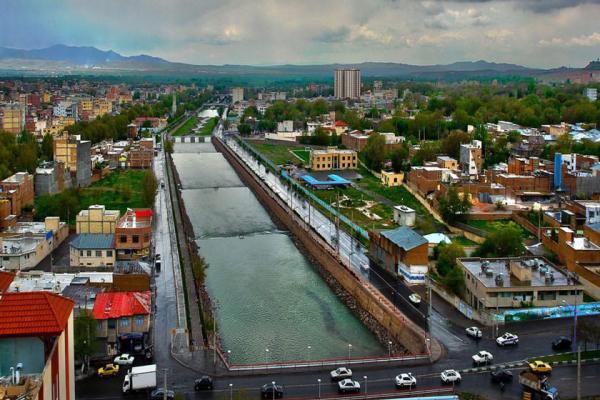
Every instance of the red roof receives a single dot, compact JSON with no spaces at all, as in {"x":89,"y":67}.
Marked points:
{"x":340,"y":123}
{"x":6,"y":279}
{"x":121,"y":304}
{"x":34,"y":314}
{"x":143,"y":213}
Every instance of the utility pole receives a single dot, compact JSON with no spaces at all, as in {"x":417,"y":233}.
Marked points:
{"x":337,"y":224}
{"x":578,"y":372}
{"x":165,"y":385}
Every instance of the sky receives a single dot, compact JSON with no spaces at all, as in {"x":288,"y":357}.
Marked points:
{"x":536,"y":33}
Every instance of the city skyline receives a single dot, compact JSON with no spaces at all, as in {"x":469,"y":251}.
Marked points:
{"x":277,"y":32}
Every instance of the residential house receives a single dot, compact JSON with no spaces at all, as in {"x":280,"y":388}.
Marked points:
{"x":332,"y":158}
{"x":92,"y":250}
{"x":133,"y":234}
{"x":18,"y":190}
{"x":120,"y":313}
{"x":97,"y":219}
{"x":76,"y":155}
{"x":391,"y":178}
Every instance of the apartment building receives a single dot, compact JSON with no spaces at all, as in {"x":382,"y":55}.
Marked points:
{"x":119,"y":313}
{"x":471,"y":159}
{"x":355,"y":140}
{"x":97,"y":219}
{"x":133,"y":234}
{"x":92,"y":250}
{"x":333,"y":158}
{"x":391,"y":178}
{"x":51,"y":177}
{"x":18,"y":190}
{"x":12,"y":117}
{"x":76,"y":155}
{"x":237,"y":95}
{"x":347,"y":84}
{"x":447,"y":162}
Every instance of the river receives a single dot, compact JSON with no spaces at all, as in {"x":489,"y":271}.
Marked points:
{"x":267,"y":293}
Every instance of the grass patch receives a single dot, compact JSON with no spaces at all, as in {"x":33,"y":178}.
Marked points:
{"x":209,"y":127}
{"x":463,"y":241}
{"x":304,"y":155}
{"x":118,"y":191}
{"x":487,"y":226}
{"x":278,"y":153}
{"x":186,"y":128}
{"x":585,"y":355}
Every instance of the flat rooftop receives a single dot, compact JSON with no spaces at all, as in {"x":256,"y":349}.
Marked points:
{"x":493,"y":267}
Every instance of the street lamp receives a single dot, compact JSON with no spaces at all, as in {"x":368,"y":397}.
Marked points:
{"x":366,"y":387}
{"x":390,"y":348}
{"x":349,"y":350}
{"x":308,"y":348}
{"x":231,"y":391}
{"x":266,"y":356}
{"x":319,"y":385}
{"x":574,"y":321}
{"x":273,"y":389}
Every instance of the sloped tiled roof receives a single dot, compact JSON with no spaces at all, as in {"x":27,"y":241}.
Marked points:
{"x":121,"y":304}
{"x":6,"y":279}
{"x":33,"y":314}
{"x":93,"y":241}
{"x":404,"y":237}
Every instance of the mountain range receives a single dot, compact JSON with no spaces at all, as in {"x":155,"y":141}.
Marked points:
{"x":59,"y":59}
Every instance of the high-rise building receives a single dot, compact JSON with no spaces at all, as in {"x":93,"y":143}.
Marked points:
{"x":75,"y":154}
{"x":347,"y":83}
{"x":237,"y":94}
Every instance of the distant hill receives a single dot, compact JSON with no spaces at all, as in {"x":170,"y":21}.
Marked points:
{"x":62,"y":59}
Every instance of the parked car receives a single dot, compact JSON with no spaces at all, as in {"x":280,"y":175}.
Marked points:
{"x":405,"y":380}
{"x":159,"y":394}
{"x":483,"y":357}
{"x":450,"y":376}
{"x":501,"y":375}
{"x":507,"y":339}
{"x":203,"y":383}
{"x":270,"y":390}
{"x":540,"y":367}
{"x":108,"y":370}
{"x":341,"y":373}
{"x":474,"y":331}
{"x":348,"y":386}
{"x":124,"y":359}
{"x":415,"y":299}
{"x":561,"y":343}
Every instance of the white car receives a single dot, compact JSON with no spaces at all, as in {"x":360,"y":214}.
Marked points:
{"x":405,"y":380}
{"x":124,"y":359}
{"x":474,"y":331}
{"x":415,"y":299}
{"x":341,"y":373}
{"x":506,"y":339}
{"x":483,"y":357}
{"x":348,"y":386}
{"x":450,"y":376}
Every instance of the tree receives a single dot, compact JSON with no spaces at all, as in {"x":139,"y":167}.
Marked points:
{"x":448,"y":253}
{"x":374,"y":151}
{"x":455,"y":280}
{"x":503,"y":240}
{"x":199,"y":267}
{"x":47,"y":149}
{"x":169,"y":146}
{"x":452,"y":207}
{"x":320,"y":137}
{"x":451,"y":143}
{"x":244,"y":129}
{"x":149,"y":186}
{"x":399,"y":157}
{"x":85,"y":335}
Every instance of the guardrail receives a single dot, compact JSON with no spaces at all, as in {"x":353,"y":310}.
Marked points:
{"x":431,"y":393}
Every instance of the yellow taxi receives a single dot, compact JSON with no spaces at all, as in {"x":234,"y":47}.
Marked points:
{"x":108,"y":370}
{"x":540,"y":367}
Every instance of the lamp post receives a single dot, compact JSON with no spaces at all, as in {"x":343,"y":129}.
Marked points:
{"x":274,"y":389}
{"x":390,"y":348}
{"x":308,"y":352}
{"x":319,"y":385}
{"x":349,"y":350}
{"x":266,"y":356}
{"x":366,"y":387}
{"x":231,"y":391}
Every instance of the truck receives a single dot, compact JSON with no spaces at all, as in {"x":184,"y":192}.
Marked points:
{"x":140,"y":378}
{"x":536,"y":386}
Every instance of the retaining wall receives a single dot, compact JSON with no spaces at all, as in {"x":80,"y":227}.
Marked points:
{"x":368,"y":298}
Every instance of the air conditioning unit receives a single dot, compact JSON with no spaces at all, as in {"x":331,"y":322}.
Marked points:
{"x":499,"y":280}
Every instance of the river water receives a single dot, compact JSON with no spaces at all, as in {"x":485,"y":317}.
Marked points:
{"x":267,"y":293}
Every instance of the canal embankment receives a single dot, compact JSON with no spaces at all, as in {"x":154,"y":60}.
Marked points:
{"x":368,"y":304}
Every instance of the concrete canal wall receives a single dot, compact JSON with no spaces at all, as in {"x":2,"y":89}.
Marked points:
{"x":397,"y":325}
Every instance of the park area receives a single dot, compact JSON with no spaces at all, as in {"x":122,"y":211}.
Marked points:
{"x":208,"y":126}
{"x":186,"y":127}
{"x":282,"y":154}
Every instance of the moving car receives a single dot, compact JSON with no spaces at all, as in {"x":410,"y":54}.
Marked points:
{"x":561,"y":343}
{"x":483,"y":357}
{"x":450,"y":376}
{"x":474,"y":331}
{"x":348,"y":386}
{"x":341,"y":373}
{"x":159,"y":394}
{"x":415,"y":299}
{"x":124,"y":359}
{"x":270,"y":391}
{"x":507,"y":339}
{"x":540,"y":367}
{"x":108,"y":370}
{"x":203,"y":383}
{"x":405,"y":380}
{"x":501,"y":375}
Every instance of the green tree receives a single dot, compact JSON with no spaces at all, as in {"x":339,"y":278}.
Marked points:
{"x":149,"y":186}
{"x":451,"y":143}
{"x":448,"y":253}
{"x":169,"y":146}
{"x":47,"y":150}
{"x":244,"y":129}
{"x":452,"y":207}
{"x":320,"y":137}
{"x":84,"y":329}
{"x":503,"y":240}
{"x":455,"y":281}
{"x":374,"y":151}
{"x":399,"y":157}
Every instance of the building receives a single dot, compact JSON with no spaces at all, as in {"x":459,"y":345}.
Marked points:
{"x":18,"y":191}
{"x":76,"y":155}
{"x":12,"y":117}
{"x":401,"y":251}
{"x":591,"y":93}
{"x":471,"y":159}
{"x":355,"y":140}
{"x":447,"y":162}
{"x":347,"y":84}
{"x":332,"y":158}
{"x":120,"y":313}
{"x":92,"y":250}
{"x":97,"y":219}
{"x":237,"y":95}
{"x":51,"y":177}
{"x":133,"y":234}
{"x":404,"y":215}
{"x":36,"y":331}
{"x":391,"y":178}
{"x":140,"y":156}
{"x":501,"y":283}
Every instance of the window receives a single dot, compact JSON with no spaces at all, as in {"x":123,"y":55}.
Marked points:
{"x":139,"y":320}
{"x":98,"y":326}
{"x":111,"y":324}
{"x":109,"y":253}
{"x":124,"y":322}
{"x":98,"y":253}
{"x":80,"y":253}
{"x":123,"y":239}
{"x":89,"y":253}
{"x":135,"y":239}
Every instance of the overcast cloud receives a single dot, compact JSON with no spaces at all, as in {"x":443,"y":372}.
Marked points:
{"x":539,"y":33}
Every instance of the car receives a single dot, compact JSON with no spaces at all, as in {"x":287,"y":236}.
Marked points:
{"x":501,"y":375}
{"x":348,"y":386}
{"x":405,"y":380}
{"x":203,"y":383}
{"x":108,"y":370}
{"x":483,"y":357}
{"x":506,"y":339}
{"x":341,"y":373}
{"x":561,"y":343}
{"x":540,"y":367}
{"x":474,"y":331}
{"x":270,"y":391}
{"x":450,"y":376}
{"x":124,"y":359}
{"x":159,"y":394}
{"x":415,"y":299}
